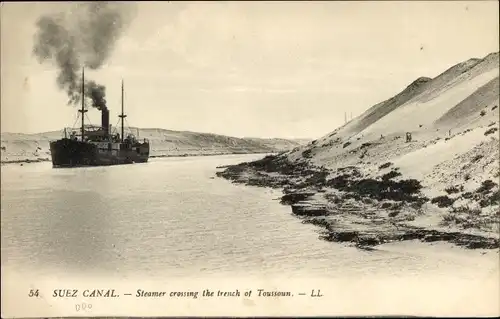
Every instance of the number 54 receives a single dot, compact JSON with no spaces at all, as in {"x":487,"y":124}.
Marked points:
{"x":33,"y":293}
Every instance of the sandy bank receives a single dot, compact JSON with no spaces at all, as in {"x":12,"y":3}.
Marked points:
{"x":354,"y":207}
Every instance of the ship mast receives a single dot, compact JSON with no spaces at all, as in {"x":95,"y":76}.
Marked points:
{"x":83,"y":110}
{"x":122,"y":116}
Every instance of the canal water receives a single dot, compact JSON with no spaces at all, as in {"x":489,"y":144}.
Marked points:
{"x":172,"y":218}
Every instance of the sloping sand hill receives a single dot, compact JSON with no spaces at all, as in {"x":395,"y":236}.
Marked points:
{"x":365,"y":183}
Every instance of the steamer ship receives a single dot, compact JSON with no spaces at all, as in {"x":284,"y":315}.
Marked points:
{"x":97,"y":146}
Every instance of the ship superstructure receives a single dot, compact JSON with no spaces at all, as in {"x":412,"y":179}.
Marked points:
{"x":98,"y":146}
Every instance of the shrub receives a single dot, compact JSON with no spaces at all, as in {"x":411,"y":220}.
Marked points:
{"x":315,"y":179}
{"x":368,"y":201}
{"x":442,"y":201}
{"x":454,"y":189}
{"x":385,"y":165}
{"x":486,"y":186}
{"x":490,"y":131}
{"x":390,"y":175}
{"x":338,"y":182}
{"x":477,"y":158}
{"x":363,"y":154}
{"x":410,"y":186}
{"x":398,"y":205}
{"x":307,"y":153}
{"x":354,"y":196}
{"x":475,"y":211}
{"x":493,"y":199}
{"x":394,"y":213}
{"x":410,"y":218}
{"x":482,"y":113}
{"x":404,"y":190}
{"x":448,"y":218}
{"x":467,"y":195}
{"x":460,"y":209}
{"x":386,"y":205}
{"x":417,"y":204}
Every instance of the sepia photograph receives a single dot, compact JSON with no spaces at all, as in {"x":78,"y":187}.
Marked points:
{"x":250,"y":158}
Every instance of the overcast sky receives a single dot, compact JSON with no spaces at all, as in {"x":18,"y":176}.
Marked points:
{"x":260,"y":69}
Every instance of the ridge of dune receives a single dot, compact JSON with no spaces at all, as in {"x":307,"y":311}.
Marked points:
{"x":380,"y":110}
{"x":487,"y":95}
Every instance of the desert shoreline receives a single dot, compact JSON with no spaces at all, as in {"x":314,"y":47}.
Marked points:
{"x":40,"y":160}
{"x":362,"y":221}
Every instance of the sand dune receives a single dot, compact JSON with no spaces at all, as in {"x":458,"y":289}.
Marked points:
{"x":365,"y":179}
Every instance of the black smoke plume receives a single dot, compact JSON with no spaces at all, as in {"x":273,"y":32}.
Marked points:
{"x":97,"y":93}
{"x":83,"y":36}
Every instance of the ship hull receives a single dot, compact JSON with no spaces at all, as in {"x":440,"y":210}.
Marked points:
{"x":73,"y":153}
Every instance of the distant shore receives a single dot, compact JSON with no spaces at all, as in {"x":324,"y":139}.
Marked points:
{"x":209,"y":154}
{"x":44,"y":159}
{"x":353,"y":209}
{"x":25,"y":161}
{"x":19,"y":148}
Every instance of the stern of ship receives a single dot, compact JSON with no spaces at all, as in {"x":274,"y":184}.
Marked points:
{"x":142,"y":150}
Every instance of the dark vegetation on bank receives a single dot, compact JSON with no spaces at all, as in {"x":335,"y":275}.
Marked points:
{"x":364,"y":241}
{"x":483,"y":195}
{"x":380,"y":205}
{"x":282,"y":173}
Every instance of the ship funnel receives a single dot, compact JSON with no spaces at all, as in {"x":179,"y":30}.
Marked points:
{"x":105,"y":120}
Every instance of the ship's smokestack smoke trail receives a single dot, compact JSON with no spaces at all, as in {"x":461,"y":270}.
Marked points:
{"x":83,"y":36}
{"x":97,"y":93}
